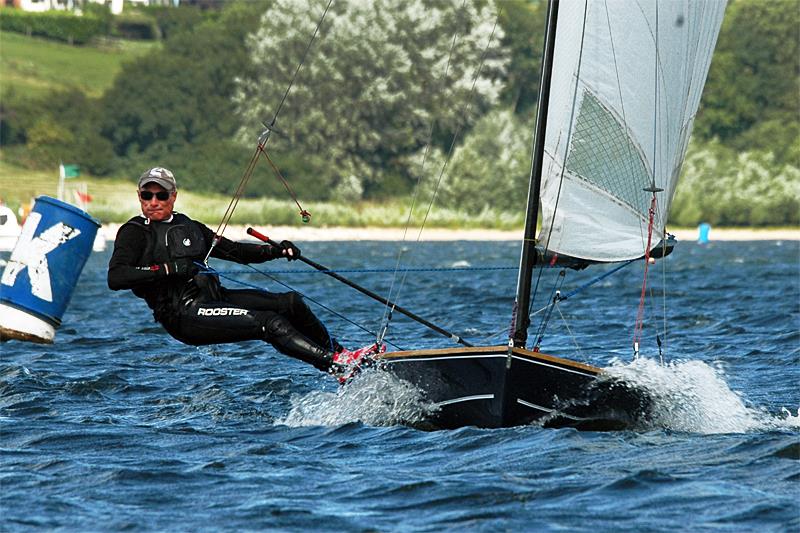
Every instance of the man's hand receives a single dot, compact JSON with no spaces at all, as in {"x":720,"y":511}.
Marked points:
{"x":290,"y":251}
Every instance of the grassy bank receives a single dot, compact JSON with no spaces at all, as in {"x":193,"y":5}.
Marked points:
{"x":114,"y":200}
{"x":32,"y":66}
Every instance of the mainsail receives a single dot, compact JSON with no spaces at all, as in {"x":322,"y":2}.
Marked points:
{"x":626,"y":85}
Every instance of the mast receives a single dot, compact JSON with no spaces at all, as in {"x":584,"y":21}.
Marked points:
{"x":528,"y":254}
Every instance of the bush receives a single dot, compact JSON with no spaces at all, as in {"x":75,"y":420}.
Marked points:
{"x":173,"y":20}
{"x":57,"y":25}
{"x":135,"y":26}
{"x":16,"y":115}
{"x":61,"y":125}
{"x":720,"y":186}
{"x":490,"y":170}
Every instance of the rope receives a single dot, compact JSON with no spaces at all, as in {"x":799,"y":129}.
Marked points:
{"x":572,"y":335}
{"x":546,"y":244}
{"x":262,"y":141}
{"x":303,"y":213}
{"x":637,"y":330}
{"x":592,"y":281}
{"x":223,"y":224}
{"x":465,"y":112}
{"x":664,"y":295}
{"x":304,"y":295}
{"x":372,"y":270}
{"x":554,"y":294}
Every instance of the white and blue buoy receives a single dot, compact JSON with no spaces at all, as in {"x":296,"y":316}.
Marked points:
{"x":43,"y":269}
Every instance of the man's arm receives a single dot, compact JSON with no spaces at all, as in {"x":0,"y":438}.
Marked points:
{"x":124,"y":270}
{"x":241,"y":252}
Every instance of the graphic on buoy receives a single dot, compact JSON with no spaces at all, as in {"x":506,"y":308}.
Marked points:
{"x":44,"y":267}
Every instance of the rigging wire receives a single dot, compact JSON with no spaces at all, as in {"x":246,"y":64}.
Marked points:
{"x":388,"y":311}
{"x":207,"y":270}
{"x":306,"y":216}
{"x":554,"y":297}
{"x":563,"y":169}
{"x":464,"y":113}
{"x":211,"y":271}
{"x":232,"y":205}
{"x":572,"y":335}
{"x":653,"y":189}
{"x":374,"y":270}
{"x":262,"y":141}
{"x":573,"y":292}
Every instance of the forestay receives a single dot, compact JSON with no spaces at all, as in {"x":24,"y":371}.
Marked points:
{"x":627,"y":81}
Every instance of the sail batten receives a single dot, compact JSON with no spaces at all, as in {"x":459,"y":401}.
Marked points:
{"x":626,"y":85}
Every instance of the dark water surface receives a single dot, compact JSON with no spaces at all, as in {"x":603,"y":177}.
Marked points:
{"x":117,"y":426}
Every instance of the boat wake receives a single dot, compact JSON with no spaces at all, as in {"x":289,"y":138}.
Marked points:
{"x":690,"y":396}
{"x":693,"y":396}
{"x":374,"y":397}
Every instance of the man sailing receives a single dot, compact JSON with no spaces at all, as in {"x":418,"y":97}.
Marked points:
{"x":157,"y":255}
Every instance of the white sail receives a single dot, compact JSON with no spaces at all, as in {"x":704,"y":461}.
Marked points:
{"x":627,"y":81}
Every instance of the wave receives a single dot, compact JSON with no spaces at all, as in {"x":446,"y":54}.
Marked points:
{"x":694,"y":396}
{"x":374,"y":398}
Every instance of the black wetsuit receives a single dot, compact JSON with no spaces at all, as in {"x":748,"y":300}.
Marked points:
{"x":194,"y":307}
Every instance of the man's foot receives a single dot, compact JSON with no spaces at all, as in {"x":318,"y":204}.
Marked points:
{"x":347,"y":363}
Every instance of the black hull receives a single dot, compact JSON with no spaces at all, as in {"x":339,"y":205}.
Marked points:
{"x":485,"y":387}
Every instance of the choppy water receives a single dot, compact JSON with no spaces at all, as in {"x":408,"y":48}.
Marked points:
{"x":117,"y":426}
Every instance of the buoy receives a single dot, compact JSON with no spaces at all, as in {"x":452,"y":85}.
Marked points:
{"x":43,"y":269}
{"x":702,"y":236}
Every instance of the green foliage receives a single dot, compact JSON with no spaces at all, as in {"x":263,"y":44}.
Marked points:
{"x":524,"y":23}
{"x":59,"y":127}
{"x":59,"y":25}
{"x":16,"y":116}
{"x":368,"y":98}
{"x":171,"y":20}
{"x":30,"y":67}
{"x":100,"y":12}
{"x":753,"y":86}
{"x":378,"y":78}
{"x":135,"y":26}
{"x":722,"y":187}
{"x":165,"y":102}
{"x":491,"y":169}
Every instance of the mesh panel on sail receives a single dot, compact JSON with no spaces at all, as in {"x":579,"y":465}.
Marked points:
{"x":603,"y":154}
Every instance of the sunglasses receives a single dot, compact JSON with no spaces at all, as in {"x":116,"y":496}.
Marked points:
{"x":148,"y":195}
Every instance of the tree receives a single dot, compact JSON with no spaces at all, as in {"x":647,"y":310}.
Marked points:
{"x":162,"y":104}
{"x":523,"y":22}
{"x":755,"y":79}
{"x":729,"y":187}
{"x":56,"y":127}
{"x":490,"y":170}
{"x":379,"y":76}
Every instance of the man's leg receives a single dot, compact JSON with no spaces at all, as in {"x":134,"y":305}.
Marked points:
{"x":224,"y":322}
{"x":288,"y":304}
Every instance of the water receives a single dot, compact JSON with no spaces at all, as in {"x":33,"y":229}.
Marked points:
{"x":117,"y":426}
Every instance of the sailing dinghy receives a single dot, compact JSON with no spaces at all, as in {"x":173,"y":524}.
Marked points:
{"x":621,"y":83}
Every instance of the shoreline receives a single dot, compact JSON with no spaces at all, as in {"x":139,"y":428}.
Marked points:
{"x":311,"y":233}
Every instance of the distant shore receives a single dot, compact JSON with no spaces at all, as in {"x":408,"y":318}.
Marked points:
{"x":312,"y":233}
